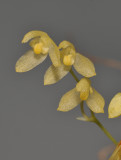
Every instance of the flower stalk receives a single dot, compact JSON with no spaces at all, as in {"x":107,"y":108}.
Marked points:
{"x":105,"y":131}
{"x":74,"y":76}
{"x":93,"y":118}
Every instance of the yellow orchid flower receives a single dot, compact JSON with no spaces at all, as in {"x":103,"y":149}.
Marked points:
{"x":41,"y":45}
{"x":82,"y":92}
{"x":114,"y":109}
{"x":69,"y":57}
{"x":117,"y":153}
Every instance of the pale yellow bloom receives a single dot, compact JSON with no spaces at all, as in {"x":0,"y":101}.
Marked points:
{"x":82,"y":92}
{"x":41,"y":45}
{"x":114,"y":109}
{"x":117,"y":153}
{"x":69,"y":58}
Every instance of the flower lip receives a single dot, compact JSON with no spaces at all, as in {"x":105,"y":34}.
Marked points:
{"x":68,"y":60}
{"x":84,"y":95}
{"x":38,"y":48}
{"x":83,"y":86}
{"x":68,"y":56}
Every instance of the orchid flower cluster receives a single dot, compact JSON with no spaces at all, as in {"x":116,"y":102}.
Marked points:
{"x":64,"y":57}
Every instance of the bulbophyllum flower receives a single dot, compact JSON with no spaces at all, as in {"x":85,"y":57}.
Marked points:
{"x":69,"y":57}
{"x":117,"y":153}
{"x":82,"y":92}
{"x":41,"y":44}
{"x":114,"y":109}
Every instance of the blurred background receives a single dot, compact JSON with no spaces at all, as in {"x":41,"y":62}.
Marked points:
{"x":30,"y":126}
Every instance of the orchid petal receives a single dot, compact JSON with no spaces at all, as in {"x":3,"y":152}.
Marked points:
{"x":96,"y":102}
{"x":84,"y":66}
{"x":33,"y":34}
{"x":69,"y":101}
{"x":54,"y":74}
{"x":54,"y":55}
{"x":114,"y":109}
{"x":28,"y":61}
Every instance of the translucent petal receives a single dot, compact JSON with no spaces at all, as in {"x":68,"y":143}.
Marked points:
{"x":33,"y":34}
{"x":69,"y":101}
{"x":96,"y":102}
{"x":65,"y":44}
{"x":83,"y":86}
{"x":54,"y":74}
{"x":84,"y":66}
{"x":114,"y":109}
{"x":28,"y":61}
{"x":54,"y":54}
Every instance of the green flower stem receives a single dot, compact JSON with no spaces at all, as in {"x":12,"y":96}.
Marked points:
{"x":90,"y":119}
{"x":93,"y":118}
{"x":105,"y":131}
{"x":74,"y":76}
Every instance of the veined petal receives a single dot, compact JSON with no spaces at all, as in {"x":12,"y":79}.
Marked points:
{"x":33,"y":34}
{"x":84,"y":66}
{"x":114,"y":109}
{"x":54,"y":55}
{"x":69,"y":101}
{"x":96,"y":102}
{"x":54,"y":74}
{"x":28,"y":61}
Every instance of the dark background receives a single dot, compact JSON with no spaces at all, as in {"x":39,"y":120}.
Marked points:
{"x":30,"y":126}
